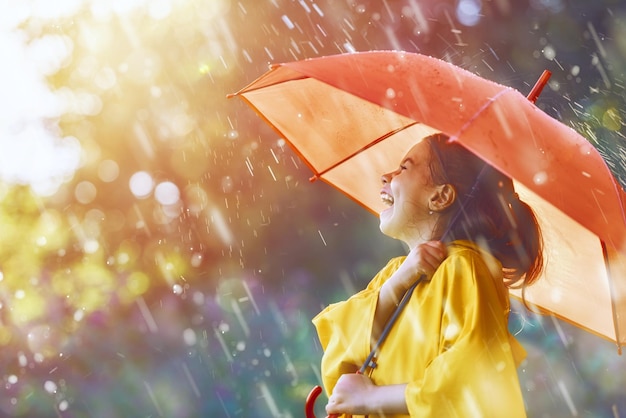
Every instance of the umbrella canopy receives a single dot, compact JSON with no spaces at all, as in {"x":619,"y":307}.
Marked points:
{"x":352,"y":117}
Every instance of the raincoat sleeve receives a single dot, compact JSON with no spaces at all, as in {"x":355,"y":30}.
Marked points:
{"x":344,"y":329}
{"x":474,"y":373}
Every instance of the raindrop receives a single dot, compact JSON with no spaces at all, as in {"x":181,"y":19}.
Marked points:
{"x":79,"y":315}
{"x":349,"y":47}
{"x":196,"y":259}
{"x":468,"y":12}
{"x":189,"y":336}
{"x":63,"y":405}
{"x":318,"y":10}
{"x":287,"y":22}
{"x":222,"y":227}
{"x":191,"y":380}
{"x":147,"y":315}
{"x":271,"y":172}
{"x":22,"y":360}
{"x":549,"y":52}
{"x":50,"y":386}
{"x":390,"y":93}
{"x":227,"y":184}
{"x":177,"y":289}
{"x":567,"y":397}
{"x":322,"y":237}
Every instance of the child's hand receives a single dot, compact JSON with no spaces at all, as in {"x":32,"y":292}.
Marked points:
{"x":423,"y":259}
{"x":350,"y":395}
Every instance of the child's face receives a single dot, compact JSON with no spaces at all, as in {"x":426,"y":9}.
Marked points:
{"x":407,"y":191}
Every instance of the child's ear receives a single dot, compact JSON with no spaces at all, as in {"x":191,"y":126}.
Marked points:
{"x":442,"y":198}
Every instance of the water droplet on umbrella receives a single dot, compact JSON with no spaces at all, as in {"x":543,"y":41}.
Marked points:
{"x":540,"y":178}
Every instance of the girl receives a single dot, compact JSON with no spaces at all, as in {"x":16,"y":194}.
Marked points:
{"x":450,"y":353}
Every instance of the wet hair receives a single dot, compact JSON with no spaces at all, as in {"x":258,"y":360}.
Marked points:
{"x":486,"y":211}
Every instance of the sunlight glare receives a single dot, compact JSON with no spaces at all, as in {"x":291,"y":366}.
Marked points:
{"x":31,"y":151}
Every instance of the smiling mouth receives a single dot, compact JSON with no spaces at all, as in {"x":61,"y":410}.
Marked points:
{"x":386,"y":198}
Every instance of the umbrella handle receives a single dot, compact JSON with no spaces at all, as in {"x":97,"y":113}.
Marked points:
{"x":310,"y":403}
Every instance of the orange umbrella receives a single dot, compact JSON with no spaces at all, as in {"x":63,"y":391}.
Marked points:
{"x":351,"y":117}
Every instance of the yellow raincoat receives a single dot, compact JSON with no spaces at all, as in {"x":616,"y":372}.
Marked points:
{"x":451,"y":344}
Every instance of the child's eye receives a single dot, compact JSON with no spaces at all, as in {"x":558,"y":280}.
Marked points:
{"x":402,"y":167}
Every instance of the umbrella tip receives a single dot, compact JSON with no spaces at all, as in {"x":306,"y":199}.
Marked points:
{"x":231,"y":95}
{"x":539,"y":85}
{"x":312,"y":179}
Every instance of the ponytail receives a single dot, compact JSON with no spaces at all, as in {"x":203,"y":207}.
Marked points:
{"x":488,"y":211}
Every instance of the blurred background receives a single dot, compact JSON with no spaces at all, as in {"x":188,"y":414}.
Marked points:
{"x":162,"y":251}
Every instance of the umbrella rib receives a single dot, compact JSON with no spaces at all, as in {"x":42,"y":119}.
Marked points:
{"x":255,"y":83}
{"x":282,"y":135}
{"x":360,"y":150}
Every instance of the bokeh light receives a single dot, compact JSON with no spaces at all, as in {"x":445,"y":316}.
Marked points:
{"x":141,"y":184}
